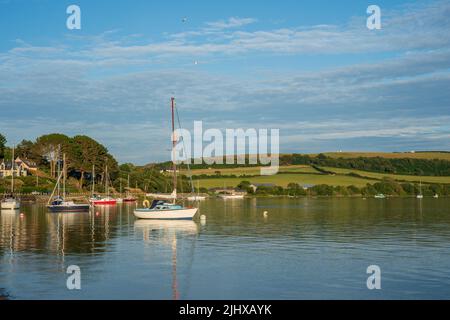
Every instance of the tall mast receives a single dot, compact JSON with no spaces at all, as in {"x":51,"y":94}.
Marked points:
{"x":106,"y":181}
{"x":12,"y":170}
{"x":59,"y":170}
{"x":174,"y":142}
{"x":93,"y":179}
{"x":64,"y":177}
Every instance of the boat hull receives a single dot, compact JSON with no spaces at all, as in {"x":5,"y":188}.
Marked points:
{"x":104,"y":202}
{"x":74,"y":208}
{"x":13,"y":205}
{"x":197,"y":198}
{"x":231,"y":197}
{"x":180,"y":214}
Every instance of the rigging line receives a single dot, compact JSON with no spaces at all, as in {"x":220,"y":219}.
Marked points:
{"x":184,"y":147}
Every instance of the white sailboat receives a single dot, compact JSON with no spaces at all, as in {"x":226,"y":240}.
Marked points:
{"x":10,"y":202}
{"x":98,"y":200}
{"x":420,"y":195}
{"x":197,"y":197}
{"x":161,"y":209}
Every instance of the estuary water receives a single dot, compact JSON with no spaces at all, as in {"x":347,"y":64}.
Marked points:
{"x":302,"y":249}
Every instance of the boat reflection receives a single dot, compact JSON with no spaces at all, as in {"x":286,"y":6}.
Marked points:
{"x":168,"y":232}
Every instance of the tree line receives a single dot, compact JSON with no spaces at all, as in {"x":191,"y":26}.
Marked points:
{"x":83,"y":154}
{"x":407,"y":166}
{"x":386,"y":186}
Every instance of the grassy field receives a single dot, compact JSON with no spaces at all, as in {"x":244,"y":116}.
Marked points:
{"x":417,"y":155}
{"x":284,"y":179}
{"x":399,"y":177}
{"x":251,"y":171}
{"x":309,"y":175}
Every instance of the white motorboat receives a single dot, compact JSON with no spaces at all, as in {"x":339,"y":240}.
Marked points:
{"x":231,"y":196}
{"x":196,"y":198}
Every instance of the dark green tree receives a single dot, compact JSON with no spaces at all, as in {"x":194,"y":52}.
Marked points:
{"x":2,"y":146}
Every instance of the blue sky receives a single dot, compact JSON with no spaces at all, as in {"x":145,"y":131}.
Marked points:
{"x":310,"y":68}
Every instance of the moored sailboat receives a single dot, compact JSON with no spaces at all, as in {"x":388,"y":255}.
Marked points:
{"x":59,"y":203}
{"x":98,"y":200}
{"x":161,"y":209}
{"x":11,"y":202}
{"x":129,"y":197}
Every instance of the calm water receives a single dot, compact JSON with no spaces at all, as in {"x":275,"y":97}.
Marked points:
{"x":304,"y":249}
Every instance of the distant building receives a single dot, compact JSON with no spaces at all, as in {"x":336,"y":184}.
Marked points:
{"x":27,"y":164}
{"x":22,"y":168}
{"x":6,"y":170}
{"x":307,"y":186}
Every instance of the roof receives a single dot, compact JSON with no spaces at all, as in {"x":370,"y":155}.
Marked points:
{"x":28,"y":162}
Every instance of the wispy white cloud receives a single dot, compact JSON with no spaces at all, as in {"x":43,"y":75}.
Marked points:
{"x":233,"y":22}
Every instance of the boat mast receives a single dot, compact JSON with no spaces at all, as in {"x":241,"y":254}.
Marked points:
{"x":174,"y":142}
{"x":64,"y":177}
{"x":106,"y":181}
{"x":59,"y":171}
{"x":12,"y":171}
{"x":93,"y":179}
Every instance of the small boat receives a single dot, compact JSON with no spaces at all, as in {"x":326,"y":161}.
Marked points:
{"x":98,"y":200}
{"x":102,"y":201}
{"x":380,"y":196}
{"x":231,"y":196}
{"x":59,"y":203}
{"x":129,"y":197}
{"x":161,"y":209}
{"x":196,"y":198}
{"x":420,"y":195}
{"x":436,"y":196}
{"x":10,"y":202}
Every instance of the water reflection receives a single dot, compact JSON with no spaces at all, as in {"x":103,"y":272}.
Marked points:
{"x":303,"y":248}
{"x":167,"y":232}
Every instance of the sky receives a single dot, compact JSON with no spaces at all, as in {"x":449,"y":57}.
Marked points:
{"x":311,"y":69}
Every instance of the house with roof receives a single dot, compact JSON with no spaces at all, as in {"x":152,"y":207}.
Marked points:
{"x":7,"y":170}
{"x":27,"y":164}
